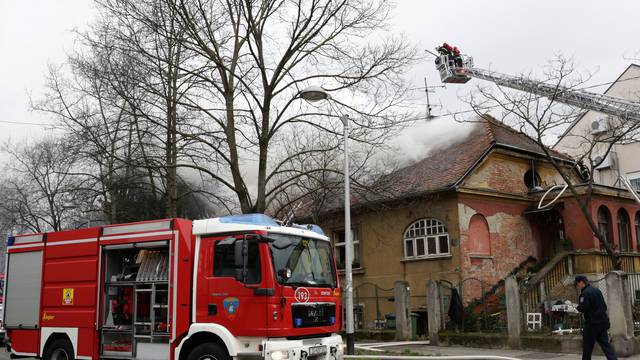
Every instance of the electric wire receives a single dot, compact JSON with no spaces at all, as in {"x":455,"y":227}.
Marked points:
{"x":53,"y":126}
{"x":27,"y":123}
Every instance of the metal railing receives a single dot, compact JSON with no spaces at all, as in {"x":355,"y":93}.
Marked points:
{"x":557,"y":274}
{"x":535,"y":292}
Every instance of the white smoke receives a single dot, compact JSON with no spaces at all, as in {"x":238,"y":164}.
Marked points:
{"x":417,"y":142}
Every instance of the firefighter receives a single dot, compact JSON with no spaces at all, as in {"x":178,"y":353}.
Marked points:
{"x":445,"y":49}
{"x":596,"y":322}
{"x":457,"y":56}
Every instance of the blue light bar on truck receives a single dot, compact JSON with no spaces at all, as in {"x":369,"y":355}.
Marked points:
{"x":311,"y":227}
{"x":249,"y":219}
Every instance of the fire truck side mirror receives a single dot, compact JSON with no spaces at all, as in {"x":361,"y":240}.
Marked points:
{"x":284,"y":273}
{"x":241,"y":257}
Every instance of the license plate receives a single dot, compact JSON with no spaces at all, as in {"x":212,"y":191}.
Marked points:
{"x":317,"y":350}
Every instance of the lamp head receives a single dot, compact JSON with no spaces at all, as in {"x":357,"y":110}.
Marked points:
{"x":314,"y":93}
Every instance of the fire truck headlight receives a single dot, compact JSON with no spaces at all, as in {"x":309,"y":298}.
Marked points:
{"x":279,"y":355}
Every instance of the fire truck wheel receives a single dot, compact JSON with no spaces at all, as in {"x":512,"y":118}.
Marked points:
{"x":60,"y":349}
{"x":208,"y":351}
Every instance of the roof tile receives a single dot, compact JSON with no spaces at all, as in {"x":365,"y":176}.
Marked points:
{"x":442,"y":169}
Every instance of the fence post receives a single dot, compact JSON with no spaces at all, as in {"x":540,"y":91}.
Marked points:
{"x":378,"y":313}
{"x":570,"y":264}
{"x":401,"y":299}
{"x":620,"y":312}
{"x":543,"y":293}
{"x":433,"y":312}
{"x":514,"y":314}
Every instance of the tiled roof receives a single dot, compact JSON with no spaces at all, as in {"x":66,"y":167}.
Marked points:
{"x":507,"y":136}
{"x":443,"y":168}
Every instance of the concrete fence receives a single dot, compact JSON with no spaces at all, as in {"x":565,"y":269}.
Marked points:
{"x":621,"y":292}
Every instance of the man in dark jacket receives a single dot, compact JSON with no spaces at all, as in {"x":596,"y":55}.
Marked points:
{"x":596,"y":322}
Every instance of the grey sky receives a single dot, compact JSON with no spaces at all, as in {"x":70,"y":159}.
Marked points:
{"x":507,"y":36}
{"x":33,"y":34}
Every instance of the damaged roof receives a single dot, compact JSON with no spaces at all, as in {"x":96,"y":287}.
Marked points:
{"x":444,"y":168}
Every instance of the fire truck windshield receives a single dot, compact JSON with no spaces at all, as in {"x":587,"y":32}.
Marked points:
{"x":302,"y":261}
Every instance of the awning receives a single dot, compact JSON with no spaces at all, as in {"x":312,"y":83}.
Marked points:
{"x":533,"y":209}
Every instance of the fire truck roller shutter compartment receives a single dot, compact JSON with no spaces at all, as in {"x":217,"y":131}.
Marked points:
{"x":22,"y":300}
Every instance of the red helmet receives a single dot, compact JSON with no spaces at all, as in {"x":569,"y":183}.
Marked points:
{"x":456,"y":50}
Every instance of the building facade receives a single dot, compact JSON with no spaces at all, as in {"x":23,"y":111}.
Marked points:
{"x":468,"y":216}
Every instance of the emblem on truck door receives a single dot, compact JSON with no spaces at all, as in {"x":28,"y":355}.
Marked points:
{"x":302,"y":294}
{"x":67,"y":296}
{"x":231,"y":306}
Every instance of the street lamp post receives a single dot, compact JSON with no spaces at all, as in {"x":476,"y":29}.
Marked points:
{"x":312,"y":94}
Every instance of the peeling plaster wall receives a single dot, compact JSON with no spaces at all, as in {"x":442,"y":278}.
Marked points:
{"x":504,"y":173}
{"x":512,"y":242}
{"x":513,"y":237}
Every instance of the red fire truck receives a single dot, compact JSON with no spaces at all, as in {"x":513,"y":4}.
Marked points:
{"x":229,"y":287}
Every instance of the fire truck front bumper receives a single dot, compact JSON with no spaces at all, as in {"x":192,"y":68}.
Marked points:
{"x":322,"y":348}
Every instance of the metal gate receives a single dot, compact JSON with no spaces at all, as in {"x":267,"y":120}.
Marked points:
{"x":371,"y":301}
{"x":484,"y":307}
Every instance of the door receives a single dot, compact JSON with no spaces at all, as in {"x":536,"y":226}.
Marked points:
{"x":224,"y":300}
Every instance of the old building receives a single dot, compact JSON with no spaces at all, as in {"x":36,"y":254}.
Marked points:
{"x":468,"y":215}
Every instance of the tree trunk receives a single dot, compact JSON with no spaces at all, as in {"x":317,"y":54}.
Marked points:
{"x":238,"y":182}
{"x":261,"y":201}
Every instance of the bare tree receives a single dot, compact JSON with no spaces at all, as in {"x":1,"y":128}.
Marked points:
{"x":122,"y":104}
{"x":144,"y":43}
{"x":309,"y":176}
{"x":258,"y":55}
{"x":40,"y":190}
{"x":544,"y":119}
{"x":211,"y":88}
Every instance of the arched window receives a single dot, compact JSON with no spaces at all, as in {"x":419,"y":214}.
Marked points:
{"x":426,"y":238}
{"x":624,"y":230}
{"x":604,"y":223}
{"x":479,"y":240}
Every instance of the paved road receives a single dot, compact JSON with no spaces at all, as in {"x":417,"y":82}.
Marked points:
{"x":4,"y":355}
{"x":520,"y":354}
{"x":439,"y":350}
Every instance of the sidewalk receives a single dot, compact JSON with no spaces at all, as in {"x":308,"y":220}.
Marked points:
{"x":460,"y":351}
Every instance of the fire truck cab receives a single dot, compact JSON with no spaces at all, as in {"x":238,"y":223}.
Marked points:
{"x":231,"y":287}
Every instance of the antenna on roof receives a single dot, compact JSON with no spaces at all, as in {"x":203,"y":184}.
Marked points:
{"x":427,"y":90}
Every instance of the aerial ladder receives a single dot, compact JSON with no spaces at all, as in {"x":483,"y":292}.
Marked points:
{"x":457,"y":68}
{"x":460,"y":70}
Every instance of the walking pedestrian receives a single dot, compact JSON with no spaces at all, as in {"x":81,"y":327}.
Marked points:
{"x":596,"y":322}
